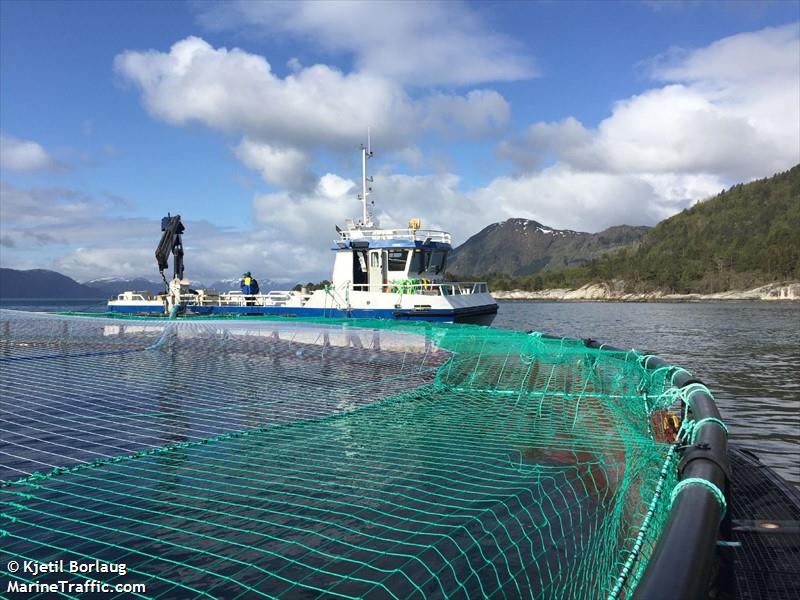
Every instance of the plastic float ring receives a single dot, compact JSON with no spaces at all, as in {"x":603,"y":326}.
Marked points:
{"x":698,"y":424}
{"x":692,"y":481}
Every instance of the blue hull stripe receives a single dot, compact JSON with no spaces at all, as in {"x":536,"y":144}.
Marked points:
{"x":442,"y":315}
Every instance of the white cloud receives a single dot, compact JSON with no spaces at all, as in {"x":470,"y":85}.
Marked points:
{"x":414,"y":43}
{"x":478,"y":113}
{"x":674,"y":192}
{"x":23,"y":155}
{"x":80,"y":236}
{"x":313,"y":107}
{"x":44,"y":206}
{"x":435,"y":199}
{"x":741,"y":58}
{"x":234,"y":91}
{"x":557,"y":196}
{"x":319,"y":106}
{"x":304,"y":217}
{"x":121,"y":260}
{"x":298,"y":229}
{"x":726,"y":113}
{"x":731,"y":110}
{"x":286,"y":167}
{"x":333,"y":187}
{"x":85,"y":238}
{"x":562,"y":197}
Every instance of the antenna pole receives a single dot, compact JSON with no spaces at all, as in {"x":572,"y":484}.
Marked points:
{"x":364,"y":185}
{"x":366,"y":152}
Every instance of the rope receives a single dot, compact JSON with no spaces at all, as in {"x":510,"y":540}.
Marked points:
{"x":692,"y":389}
{"x":695,"y":481}
{"x":644,"y":358}
{"x":651,"y":512}
{"x":677,"y":371}
{"x":698,"y":424}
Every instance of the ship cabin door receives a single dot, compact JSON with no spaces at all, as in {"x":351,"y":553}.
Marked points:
{"x":360,"y":270}
{"x":378,"y":270}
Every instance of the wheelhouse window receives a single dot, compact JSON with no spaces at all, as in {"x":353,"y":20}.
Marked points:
{"x":427,"y":260}
{"x":437,"y":261}
{"x":359,"y":267}
{"x":397,"y":260}
{"x":417,"y":261}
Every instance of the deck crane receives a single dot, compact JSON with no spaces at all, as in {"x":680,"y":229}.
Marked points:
{"x":171,"y":243}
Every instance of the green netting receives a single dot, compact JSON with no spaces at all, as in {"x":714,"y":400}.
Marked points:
{"x":286,"y":458}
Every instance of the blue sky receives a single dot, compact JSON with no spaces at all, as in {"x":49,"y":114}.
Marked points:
{"x":246,"y":117}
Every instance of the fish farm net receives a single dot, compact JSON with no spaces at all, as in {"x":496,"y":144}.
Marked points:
{"x":248,"y":458}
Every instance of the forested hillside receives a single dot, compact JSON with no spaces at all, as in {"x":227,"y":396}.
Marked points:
{"x":745,"y":236}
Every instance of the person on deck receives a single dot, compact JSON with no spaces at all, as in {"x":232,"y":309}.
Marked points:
{"x":248,"y":285}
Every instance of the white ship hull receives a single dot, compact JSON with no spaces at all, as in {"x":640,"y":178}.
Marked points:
{"x":438,"y":302}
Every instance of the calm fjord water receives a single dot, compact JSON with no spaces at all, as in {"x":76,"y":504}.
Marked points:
{"x":748,"y":353}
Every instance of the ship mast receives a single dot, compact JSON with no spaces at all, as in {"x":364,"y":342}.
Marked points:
{"x":366,"y":152}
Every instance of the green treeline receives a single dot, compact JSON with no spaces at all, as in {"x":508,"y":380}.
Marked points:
{"x":746,"y":236}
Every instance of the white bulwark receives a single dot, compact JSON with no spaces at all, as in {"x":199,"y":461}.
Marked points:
{"x":377,"y":273}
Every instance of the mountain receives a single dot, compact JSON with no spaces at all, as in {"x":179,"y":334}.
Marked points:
{"x":744,"y":237}
{"x":521,"y":247}
{"x":226,"y":285}
{"x":111,"y":286}
{"x":40,"y":283}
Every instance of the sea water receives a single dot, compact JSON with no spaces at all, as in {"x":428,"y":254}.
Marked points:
{"x":746,"y":352}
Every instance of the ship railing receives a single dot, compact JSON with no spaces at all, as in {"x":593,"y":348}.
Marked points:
{"x":135,"y":296}
{"x":341,"y":304}
{"x":237,"y":298}
{"x":447,"y":288}
{"x":422,"y":235}
{"x":187,"y":299}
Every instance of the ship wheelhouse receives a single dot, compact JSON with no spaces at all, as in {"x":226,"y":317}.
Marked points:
{"x":380,"y":260}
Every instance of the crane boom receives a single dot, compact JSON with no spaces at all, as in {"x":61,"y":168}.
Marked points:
{"x":170,"y":243}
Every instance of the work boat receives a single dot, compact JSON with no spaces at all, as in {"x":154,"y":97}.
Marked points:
{"x":377,"y":273}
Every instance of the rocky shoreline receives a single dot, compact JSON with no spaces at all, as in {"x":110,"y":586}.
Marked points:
{"x":614,"y":292}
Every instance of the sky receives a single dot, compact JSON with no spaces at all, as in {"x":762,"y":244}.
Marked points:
{"x":246,"y":118}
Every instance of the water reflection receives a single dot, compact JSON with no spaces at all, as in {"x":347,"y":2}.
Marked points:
{"x":746,"y":352}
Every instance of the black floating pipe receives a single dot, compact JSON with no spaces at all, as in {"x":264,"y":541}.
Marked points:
{"x":682,"y":561}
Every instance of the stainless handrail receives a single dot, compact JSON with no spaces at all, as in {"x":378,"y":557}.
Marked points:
{"x":448,"y":288}
{"x":432,"y":235}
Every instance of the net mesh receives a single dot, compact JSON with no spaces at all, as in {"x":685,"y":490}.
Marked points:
{"x":286,"y":458}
